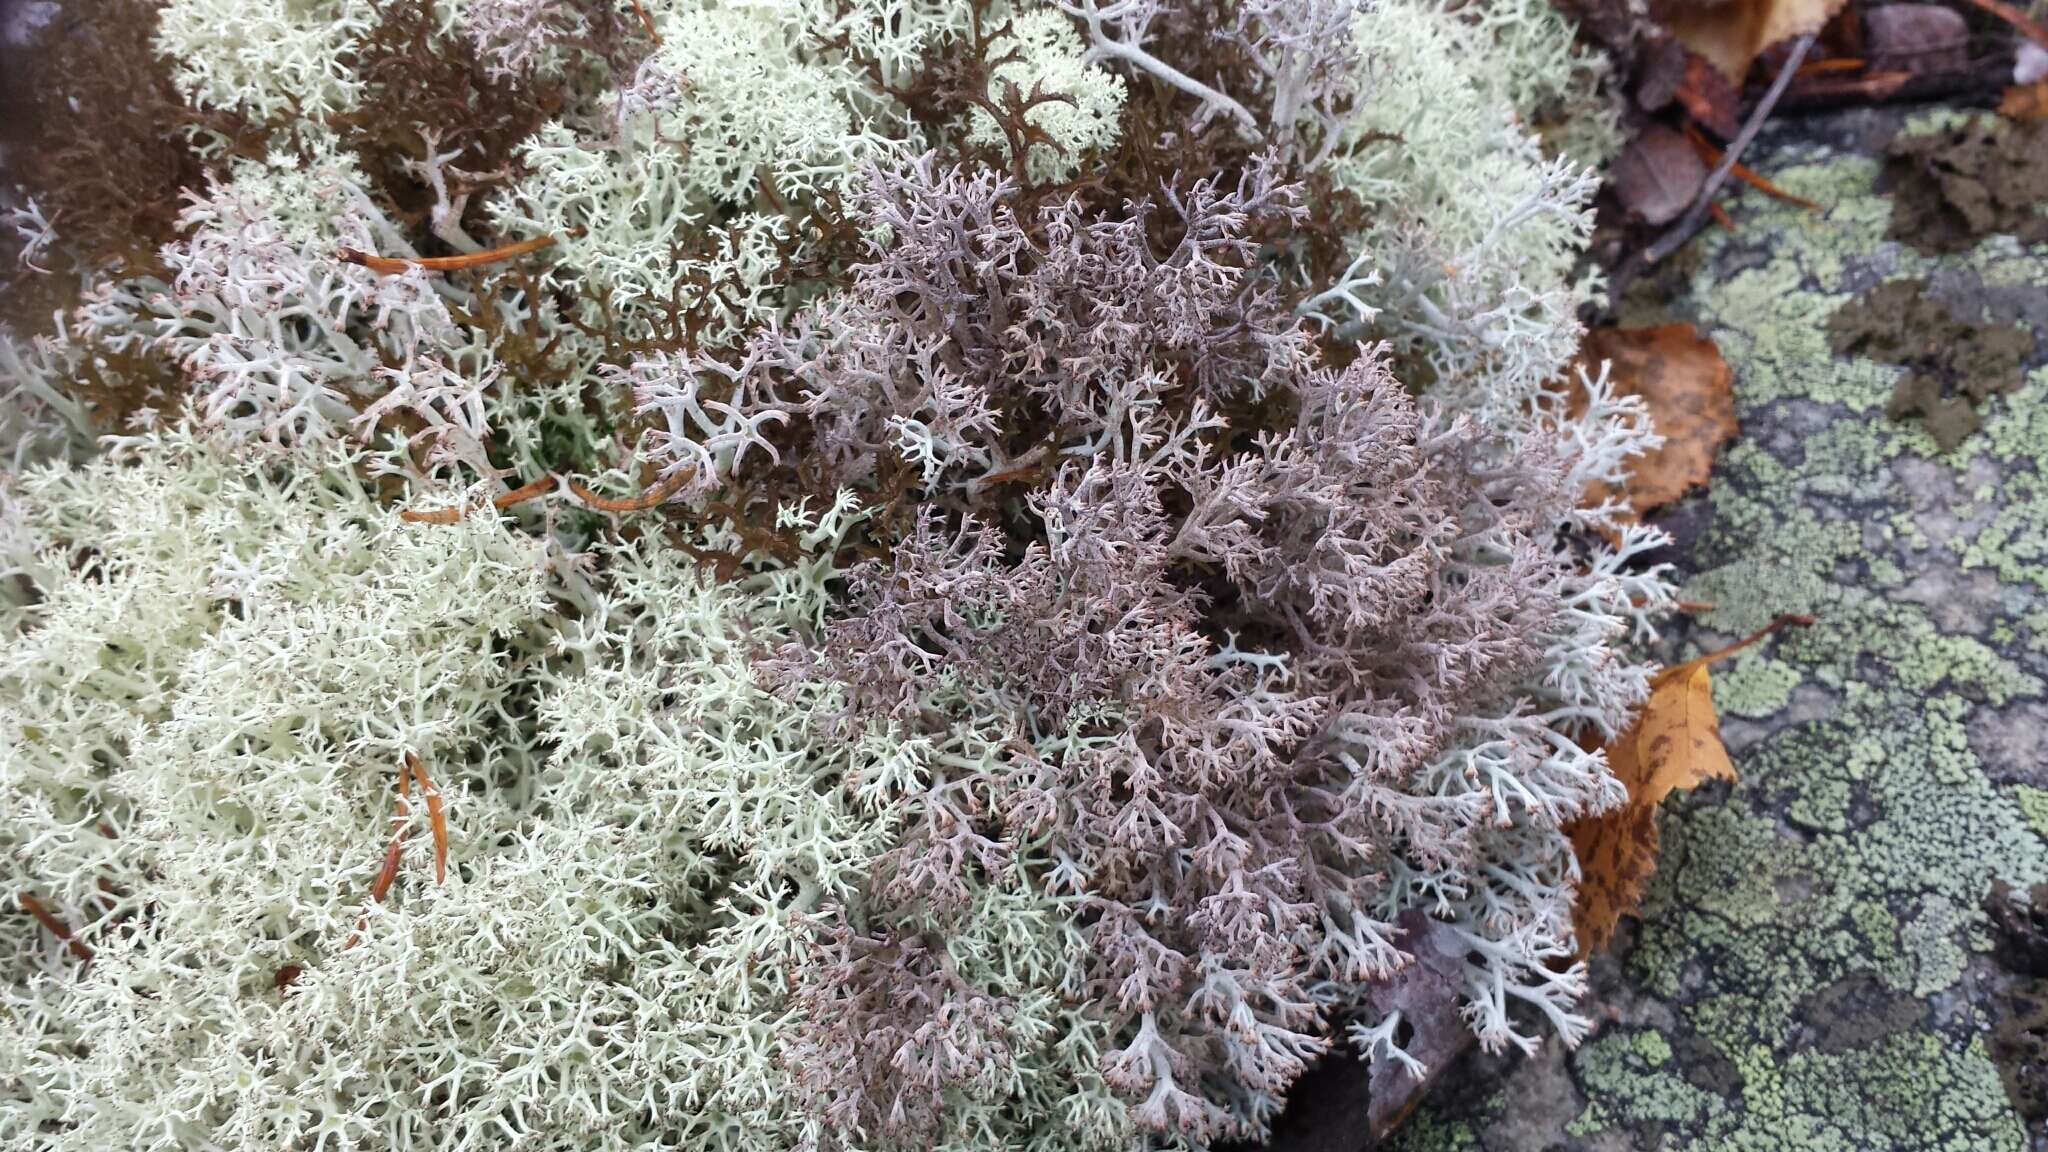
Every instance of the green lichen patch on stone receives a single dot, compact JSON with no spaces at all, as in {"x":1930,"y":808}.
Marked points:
{"x":1953,"y":364}
{"x":1819,"y":927}
{"x":2033,"y":804}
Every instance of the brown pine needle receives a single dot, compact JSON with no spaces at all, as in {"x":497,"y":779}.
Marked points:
{"x":381,"y":886}
{"x":54,"y":926}
{"x":651,"y":498}
{"x":1720,"y":216}
{"x":2018,"y":19}
{"x":388,"y":872}
{"x":502,"y":500}
{"x":390,"y":265}
{"x":1695,"y":607}
{"x":1748,"y":175}
{"x":648,"y":21}
{"x":1742,"y":172}
{"x":435,"y":817}
{"x":1829,"y":67}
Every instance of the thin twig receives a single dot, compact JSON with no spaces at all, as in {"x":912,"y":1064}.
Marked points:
{"x":1697,"y":214}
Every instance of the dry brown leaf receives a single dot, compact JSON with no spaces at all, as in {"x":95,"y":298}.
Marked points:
{"x":1689,"y":391}
{"x":2025,"y":101}
{"x":1731,"y":35}
{"x":1674,"y":745}
{"x":1658,"y":175}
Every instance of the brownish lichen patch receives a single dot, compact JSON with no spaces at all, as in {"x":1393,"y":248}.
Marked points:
{"x":107,"y":139}
{"x":1954,"y":364}
{"x":1982,"y":176}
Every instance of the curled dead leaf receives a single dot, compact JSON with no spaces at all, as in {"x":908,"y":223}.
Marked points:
{"x":1674,"y":745}
{"x":1732,"y":34}
{"x":1658,"y":175}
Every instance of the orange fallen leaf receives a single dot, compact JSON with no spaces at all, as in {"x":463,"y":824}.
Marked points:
{"x":1675,"y":744}
{"x":1688,"y":388}
{"x":1731,"y":35}
{"x":2025,"y":101}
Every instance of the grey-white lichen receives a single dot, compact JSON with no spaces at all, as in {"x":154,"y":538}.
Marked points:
{"x":794,"y":573}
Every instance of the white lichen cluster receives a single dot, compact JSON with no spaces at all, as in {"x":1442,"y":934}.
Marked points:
{"x":668,"y":185}
{"x":265,"y":58}
{"x":236,"y":618}
{"x":213,"y":675}
{"x":1042,"y":56}
{"x":1475,"y":226}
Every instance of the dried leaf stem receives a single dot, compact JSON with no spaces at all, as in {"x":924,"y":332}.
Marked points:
{"x":1778,"y":623}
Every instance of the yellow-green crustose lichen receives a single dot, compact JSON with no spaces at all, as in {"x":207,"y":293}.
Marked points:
{"x":1801,"y":980}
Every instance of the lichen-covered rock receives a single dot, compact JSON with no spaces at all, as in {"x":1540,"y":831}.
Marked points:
{"x":1813,"y":966}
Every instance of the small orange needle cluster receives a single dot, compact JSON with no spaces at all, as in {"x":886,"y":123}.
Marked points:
{"x":437,"y":819}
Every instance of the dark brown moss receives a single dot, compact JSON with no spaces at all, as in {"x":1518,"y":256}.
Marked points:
{"x":1952,"y":187}
{"x":100,"y":140}
{"x":422,"y":88}
{"x":1956,"y":365}
{"x":2019,"y":1031}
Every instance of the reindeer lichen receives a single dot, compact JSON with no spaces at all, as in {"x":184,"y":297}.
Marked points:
{"x":802,"y":572}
